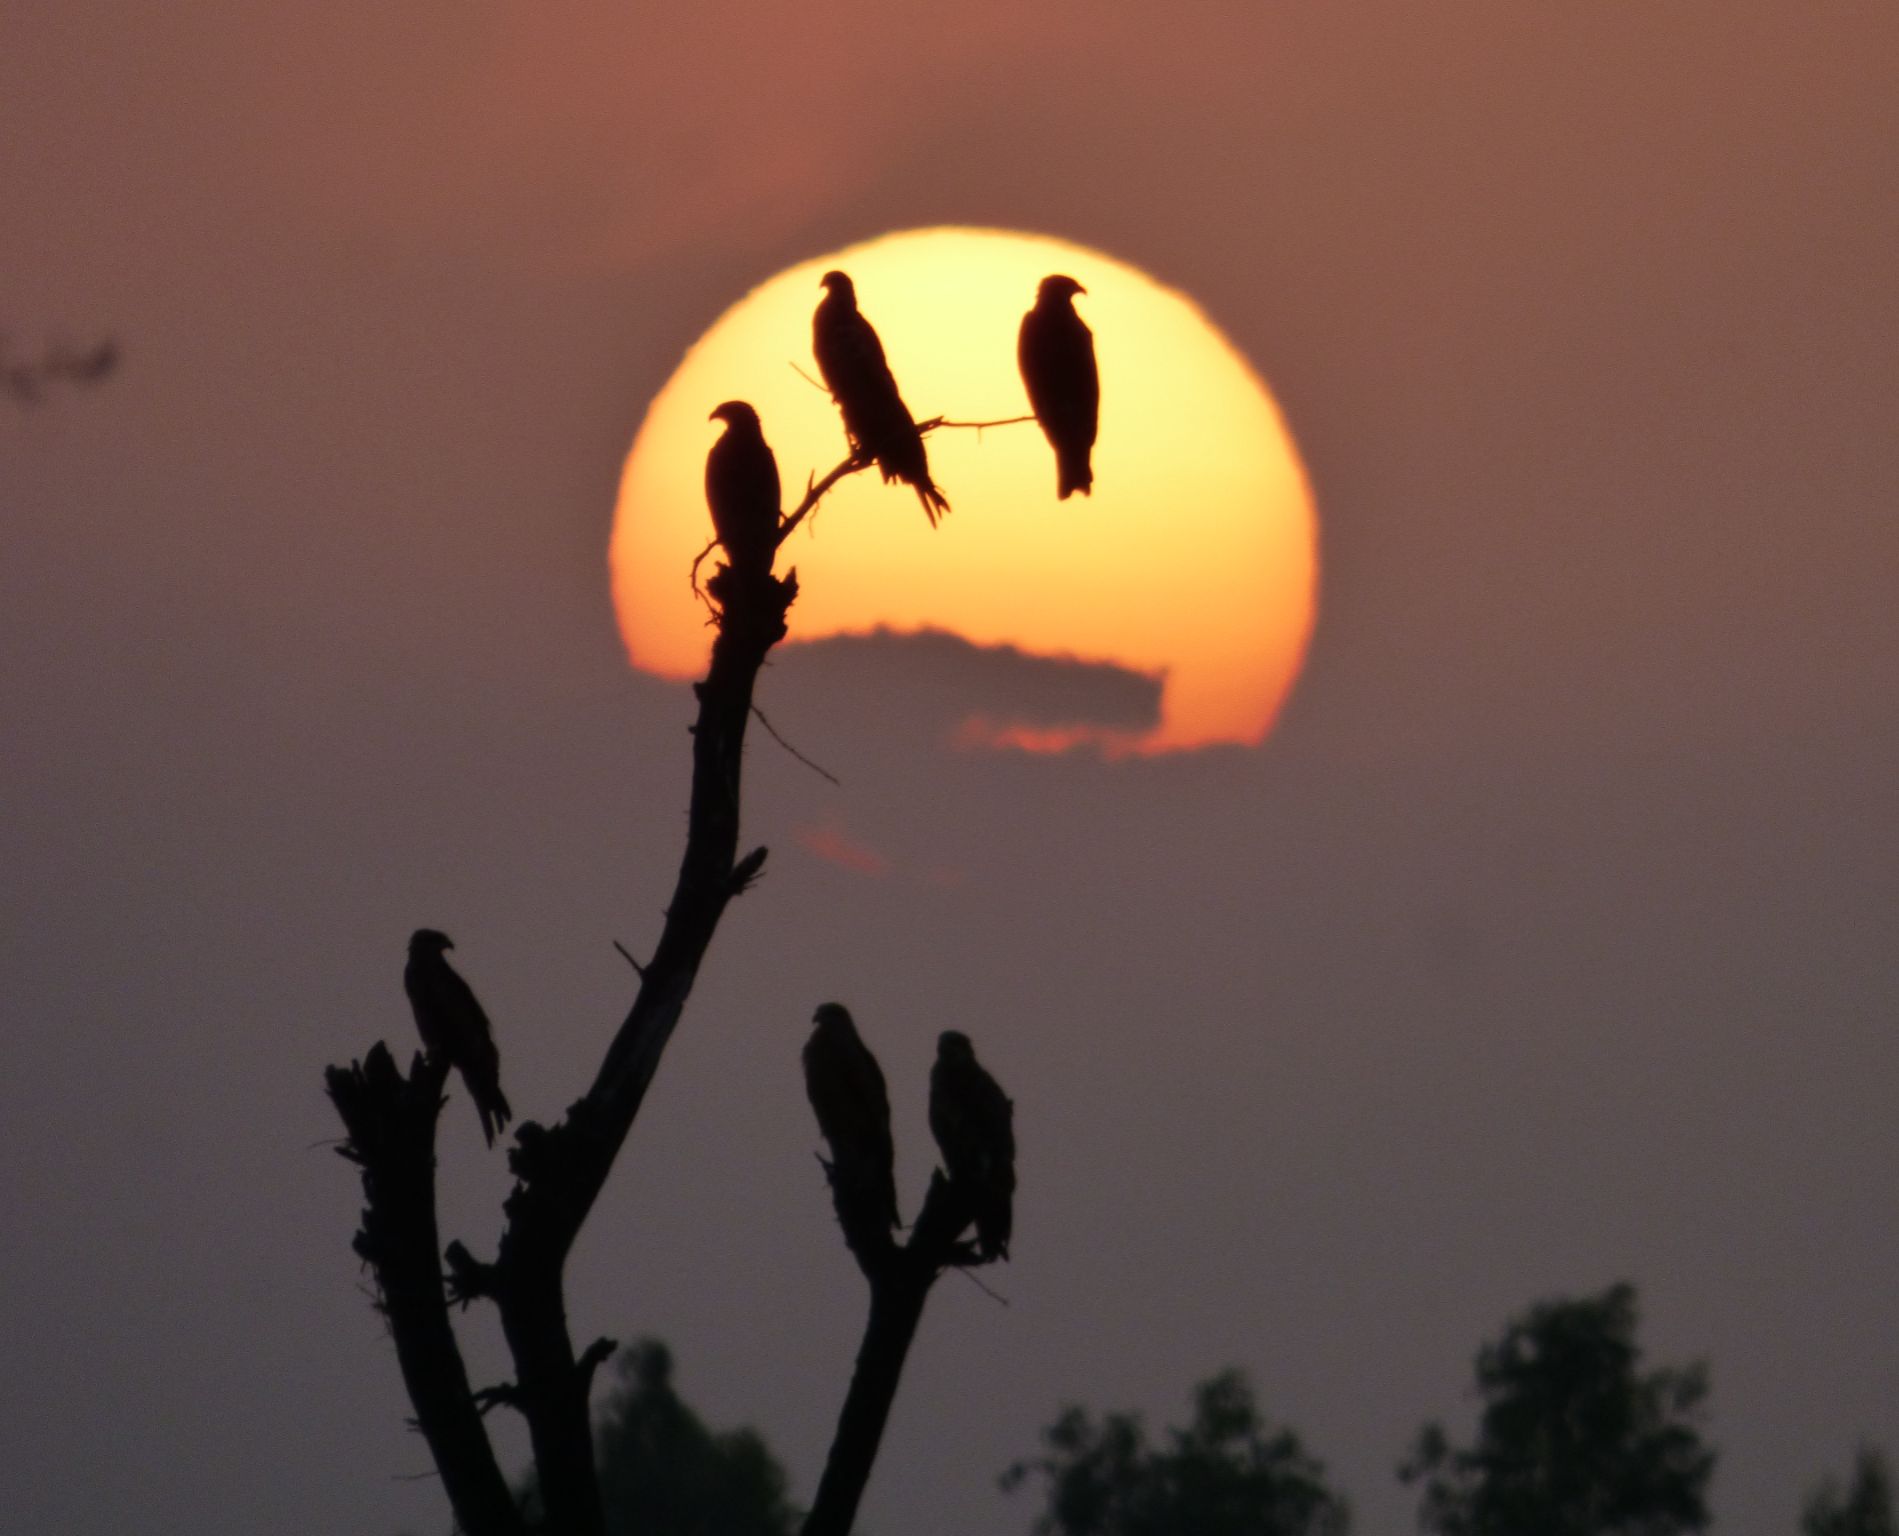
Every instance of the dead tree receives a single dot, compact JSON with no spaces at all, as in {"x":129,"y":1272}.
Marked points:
{"x":559,"y":1170}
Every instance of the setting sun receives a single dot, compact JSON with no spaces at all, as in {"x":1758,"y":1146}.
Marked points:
{"x":1194,"y":559}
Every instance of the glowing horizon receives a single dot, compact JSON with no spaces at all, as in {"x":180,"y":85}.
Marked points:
{"x":1195,"y":559}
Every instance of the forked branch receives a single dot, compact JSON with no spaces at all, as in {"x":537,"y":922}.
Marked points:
{"x":900,"y":1277}
{"x":560,"y":1169}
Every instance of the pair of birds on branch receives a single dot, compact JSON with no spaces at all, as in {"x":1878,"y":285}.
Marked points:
{"x":972,"y":1119}
{"x":1055,"y":351}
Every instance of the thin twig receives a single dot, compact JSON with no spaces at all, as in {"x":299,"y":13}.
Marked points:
{"x":692,"y":576}
{"x":808,"y":379}
{"x":638,"y":969}
{"x":974,"y":1279}
{"x":815,"y":493}
{"x":595,"y":1356}
{"x":940,"y":421}
{"x":821,"y":773}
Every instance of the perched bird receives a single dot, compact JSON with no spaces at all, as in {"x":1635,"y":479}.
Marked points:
{"x":453,"y":1025}
{"x":973,"y":1122}
{"x":1056,"y":352}
{"x":846,"y":1088}
{"x":742,"y":488}
{"x":851,"y":359}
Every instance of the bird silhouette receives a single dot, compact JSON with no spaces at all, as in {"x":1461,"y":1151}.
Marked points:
{"x":1056,"y":352}
{"x":452,"y":1025}
{"x":851,"y":359}
{"x":846,"y":1089}
{"x":973,"y":1122}
{"x":742,"y":488}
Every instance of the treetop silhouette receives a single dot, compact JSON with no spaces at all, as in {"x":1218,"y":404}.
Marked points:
{"x":1575,"y":1439}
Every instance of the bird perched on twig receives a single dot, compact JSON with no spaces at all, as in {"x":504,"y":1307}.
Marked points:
{"x":973,"y":1122}
{"x":851,"y":359}
{"x":452,"y":1025}
{"x":846,"y":1088}
{"x":1056,"y":352}
{"x":742,"y":488}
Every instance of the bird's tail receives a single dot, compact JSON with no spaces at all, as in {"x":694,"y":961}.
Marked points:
{"x":1073,"y":473}
{"x":935,"y":503}
{"x":494,"y":1111}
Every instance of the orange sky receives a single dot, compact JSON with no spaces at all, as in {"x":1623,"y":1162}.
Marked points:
{"x":1546,"y":939}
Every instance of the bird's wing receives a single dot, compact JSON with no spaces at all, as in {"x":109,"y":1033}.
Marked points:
{"x":1056,"y":351}
{"x":742,"y":491}
{"x":461,"y":1004}
{"x":851,"y":359}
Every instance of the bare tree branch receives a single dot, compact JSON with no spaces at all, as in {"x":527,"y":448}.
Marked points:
{"x":934,"y":422}
{"x":814,"y":493}
{"x":772,"y":731}
{"x":391,"y":1124}
{"x":900,"y":1277}
{"x":561,"y":1169}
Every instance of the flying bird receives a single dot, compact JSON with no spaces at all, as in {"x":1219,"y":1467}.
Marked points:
{"x":846,"y":1088}
{"x":742,"y":488}
{"x":452,"y":1025}
{"x":1056,"y":352}
{"x":851,"y":359}
{"x":973,"y":1122}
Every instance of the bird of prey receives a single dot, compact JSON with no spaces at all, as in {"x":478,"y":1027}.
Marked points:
{"x":742,"y":488}
{"x":851,"y":359}
{"x":973,"y":1121}
{"x":1056,"y":352}
{"x":452,"y":1025}
{"x":846,"y":1088}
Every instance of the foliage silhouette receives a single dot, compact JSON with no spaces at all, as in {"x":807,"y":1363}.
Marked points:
{"x":1863,"y":1508}
{"x":663,"y":1472}
{"x":1574,"y":1439}
{"x":1227,"y":1474}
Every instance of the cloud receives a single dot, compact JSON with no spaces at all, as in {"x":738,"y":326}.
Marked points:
{"x":983,"y":696}
{"x":829,"y":841}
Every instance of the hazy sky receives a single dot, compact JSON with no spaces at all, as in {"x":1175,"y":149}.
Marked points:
{"x":1550,"y":940}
